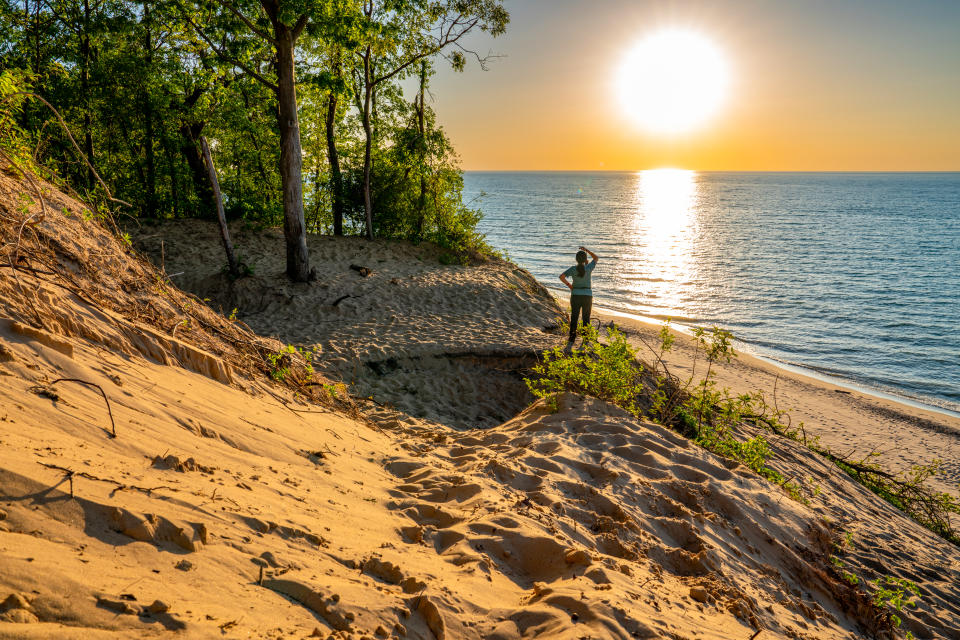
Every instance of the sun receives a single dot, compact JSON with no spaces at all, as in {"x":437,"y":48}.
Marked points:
{"x":673,"y":81}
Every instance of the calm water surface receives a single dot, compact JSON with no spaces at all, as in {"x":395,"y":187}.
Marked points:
{"x":852,"y":275}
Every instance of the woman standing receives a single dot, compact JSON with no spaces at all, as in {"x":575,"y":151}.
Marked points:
{"x":581,"y":295}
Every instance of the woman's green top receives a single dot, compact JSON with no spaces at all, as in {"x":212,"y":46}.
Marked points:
{"x":581,"y":284}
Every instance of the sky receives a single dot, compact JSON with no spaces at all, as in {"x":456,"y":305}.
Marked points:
{"x":815,"y":85}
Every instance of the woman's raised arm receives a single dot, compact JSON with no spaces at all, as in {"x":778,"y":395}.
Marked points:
{"x":592,"y":254}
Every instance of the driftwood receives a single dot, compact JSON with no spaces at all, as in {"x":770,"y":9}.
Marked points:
{"x":120,"y":486}
{"x":364,"y":271}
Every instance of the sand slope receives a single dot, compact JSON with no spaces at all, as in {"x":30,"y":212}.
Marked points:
{"x":404,"y":334}
{"x":567,"y":522}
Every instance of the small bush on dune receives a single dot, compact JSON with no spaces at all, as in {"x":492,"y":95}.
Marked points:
{"x":609,"y":370}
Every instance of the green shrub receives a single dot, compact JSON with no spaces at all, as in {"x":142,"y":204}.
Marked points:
{"x":606,"y":371}
{"x":610,"y":371}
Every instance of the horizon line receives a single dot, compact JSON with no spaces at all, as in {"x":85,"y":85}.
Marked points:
{"x":712,"y":170}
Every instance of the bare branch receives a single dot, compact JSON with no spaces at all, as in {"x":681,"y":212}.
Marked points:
{"x":66,"y":130}
{"x":481,"y":60}
{"x":448,"y":37}
{"x":113,"y":425}
{"x":69,"y":473}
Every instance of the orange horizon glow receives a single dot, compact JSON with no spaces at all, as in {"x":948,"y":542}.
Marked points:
{"x":851,"y":87}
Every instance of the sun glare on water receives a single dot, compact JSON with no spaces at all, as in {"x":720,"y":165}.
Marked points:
{"x":673,"y":81}
{"x":662,"y":236}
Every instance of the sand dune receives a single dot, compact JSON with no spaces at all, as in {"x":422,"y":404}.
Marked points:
{"x":229,"y":507}
{"x":414,"y":333}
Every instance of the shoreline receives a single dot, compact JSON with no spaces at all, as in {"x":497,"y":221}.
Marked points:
{"x":852,"y":422}
{"x":745,"y":348}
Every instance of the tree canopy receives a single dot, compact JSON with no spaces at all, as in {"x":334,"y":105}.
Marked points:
{"x":307,"y":106}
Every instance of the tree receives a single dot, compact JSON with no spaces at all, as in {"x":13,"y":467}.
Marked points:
{"x":397,"y":34}
{"x":284,"y":23}
{"x":139,"y":82}
{"x":333,"y":157}
{"x":77,"y":18}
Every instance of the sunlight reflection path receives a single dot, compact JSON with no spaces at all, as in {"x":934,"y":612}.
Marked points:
{"x":663,"y":235}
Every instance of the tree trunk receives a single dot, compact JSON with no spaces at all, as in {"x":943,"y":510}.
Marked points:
{"x":336,"y":183}
{"x":151,"y":183}
{"x":221,"y":217}
{"x":333,"y":157}
{"x":421,"y":108}
{"x":191,"y":153}
{"x":368,"y":134}
{"x":36,"y":38}
{"x":85,"y":91}
{"x":26,"y":33}
{"x":172,"y":171}
{"x":291,"y":160}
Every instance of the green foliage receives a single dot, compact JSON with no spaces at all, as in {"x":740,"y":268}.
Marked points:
{"x":290,"y":360}
{"x":279,"y":362}
{"x":895,"y":593}
{"x":138,"y":83}
{"x":608,"y":371}
{"x":13,"y":140}
{"x":908,"y":491}
{"x":417,"y":191}
{"x":888,"y":594}
{"x":717,"y":420}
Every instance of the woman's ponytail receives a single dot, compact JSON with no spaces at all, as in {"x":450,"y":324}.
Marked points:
{"x":581,"y":261}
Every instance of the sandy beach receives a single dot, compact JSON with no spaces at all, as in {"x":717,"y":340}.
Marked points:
{"x":439,"y":503}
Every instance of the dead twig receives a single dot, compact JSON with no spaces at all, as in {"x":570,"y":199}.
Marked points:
{"x":113,"y":425}
{"x":70,"y":473}
{"x":226,"y":626}
{"x":72,"y":140}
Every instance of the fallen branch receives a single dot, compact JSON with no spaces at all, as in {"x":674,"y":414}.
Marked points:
{"x":113,"y":425}
{"x":70,"y":473}
{"x":66,"y":129}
